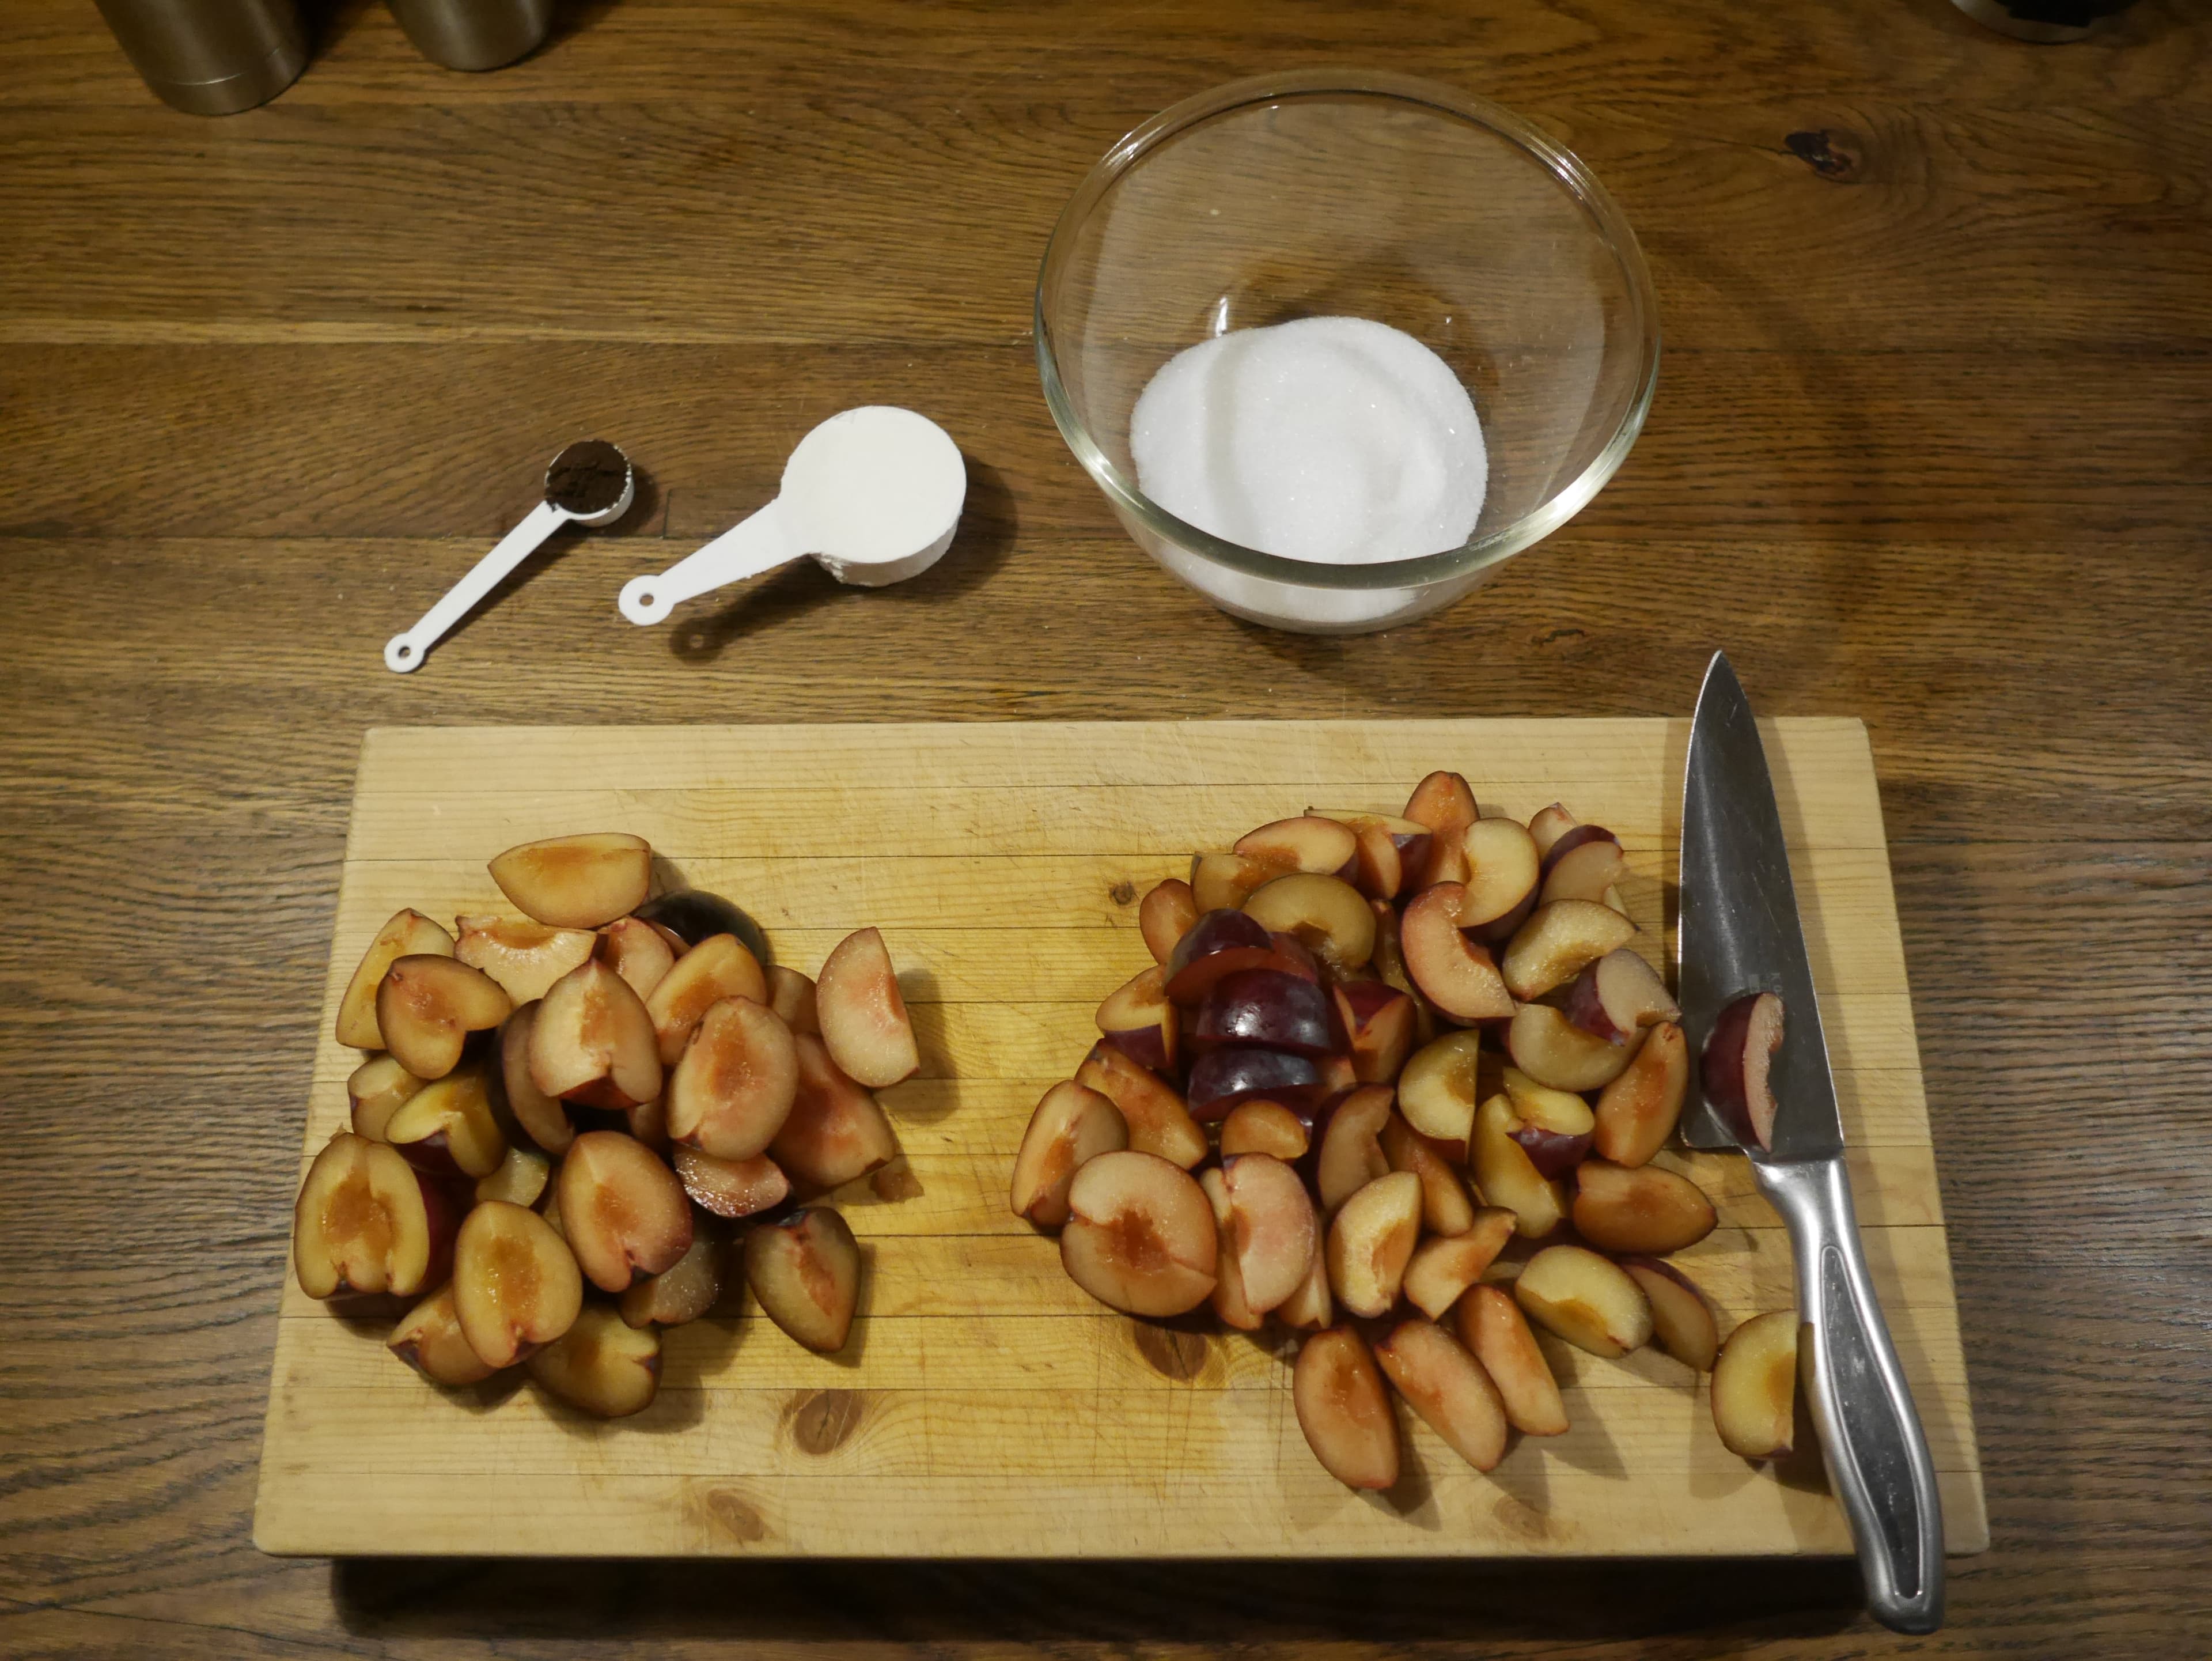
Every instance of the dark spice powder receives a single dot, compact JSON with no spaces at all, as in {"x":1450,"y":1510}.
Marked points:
{"x":586,"y":478}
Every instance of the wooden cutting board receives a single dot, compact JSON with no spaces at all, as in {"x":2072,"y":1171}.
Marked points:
{"x":984,"y":1406}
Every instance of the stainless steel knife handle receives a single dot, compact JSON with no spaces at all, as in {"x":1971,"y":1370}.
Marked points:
{"x":1870,"y":1434}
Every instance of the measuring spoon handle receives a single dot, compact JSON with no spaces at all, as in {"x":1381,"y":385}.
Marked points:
{"x":751,"y":546}
{"x":403,"y":654}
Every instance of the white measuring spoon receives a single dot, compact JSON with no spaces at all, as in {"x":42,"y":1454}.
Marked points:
{"x":575,"y":489}
{"x":873,"y":495}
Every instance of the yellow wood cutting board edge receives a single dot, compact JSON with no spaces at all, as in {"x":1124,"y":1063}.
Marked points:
{"x":984,"y":1406}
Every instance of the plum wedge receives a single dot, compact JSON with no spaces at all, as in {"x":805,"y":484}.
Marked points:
{"x":1370,"y":1241}
{"x":1558,"y":941}
{"x":1618,"y":996}
{"x":601,"y":1364}
{"x":1158,"y":1120}
{"x":1444,"y":803}
{"x":1681,"y":1320}
{"x":1636,"y":1112}
{"x":863,"y":1014}
{"x":638,"y":952}
{"x":623,"y":1210}
{"x":428,"y":1338}
{"x":1644,"y":1211}
{"x":408,"y":933}
{"x":1455,"y":974}
{"x":1492,"y":1327}
{"x":1443,"y":1267}
{"x":592,"y":1042}
{"x":1448,"y":1387}
{"x":733,"y":1086}
{"x":366,"y":1222}
{"x":375,"y":1092}
{"x":1071,"y":1125}
{"x":1270,"y":1233}
{"x":1265,"y":1127}
{"x":1755,"y":1387}
{"x":1587,"y":1300}
{"x":731,"y":1188}
{"x":837,"y":1130}
{"x":427,"y":1006}
{"x":683,"y":1291}
{"x":1739,"y":1051}
{"x":1344,"y":1409}
{"x":1165,"y":916}
{"x":544,"y":1118}
{"x":1137,"y":1019}
{"x":577,"y":882}
{"x":717,"y":967}
{"x":447,"y":1128}
{"x":523,"y":958}
{"x":1140,"y":1235}
{"x":515,"y":1284}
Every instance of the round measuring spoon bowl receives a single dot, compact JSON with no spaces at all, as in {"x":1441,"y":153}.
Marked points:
{"x":591,"y":482}
{"x":874,"y":495}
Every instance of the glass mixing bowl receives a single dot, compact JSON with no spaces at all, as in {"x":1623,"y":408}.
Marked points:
{"x":1361,"y":194}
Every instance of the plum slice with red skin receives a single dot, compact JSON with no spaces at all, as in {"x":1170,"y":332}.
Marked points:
{"x":447,"y":1128}
{"x":1393,"y":851}
{"x":1371,"y":1239}
{"x":1266,"y":1126}
{"x":1556,"y":1126}
{"x":1443,"y":802}
{"x":1552,"y":1050}
{"x":428,"y":1339}
{"x":544,"y":1118}
{"x":516,"y":1287}
{"x":521,"y":1179}
{"x":1227,"y":1297}
{"x":1739,"y":1053}
{"x":836,"y":1129}
{"x":623,"y":1210}
{"x":683,"y":1291}
{"x":1349,"y":1154}
{"x":577,"y":882}
{"x":1220,"y":943}
{"x":1326,"y":914}
{"x":1448,"y":1388}
{"x":1454,"y":972}
{"x":805,"y":1269}
{"x":719,"y":967}
{"x":1588,"y":1299}
{"x":1159,"y":1120}
{"x":1560,"y":940}
{"x":1164,"y":915}
{"x":1446,"y":1208}
{"x":1344,"y":1409}
{"x":1754,"y":1389}
{"x":1139,"y":1019}
{"x":1443,"y":1268}
{"x":1548,"y":824}
{"x":1437,"y":1086}
{"x":1494,"y":1329}
{"x":1618,"y":996}
{"x":1502,"y":871}
{"x":1271,"y":1233}
{"x":731,"y":1188}
{"x":366,"y":1222}
{"x":791,"y":995}
{"x":1073,"y":1124}
{"x":1309,"y":1308}
{"x":637,"y":951}
{"x":604,"y":1365}
{"x":733,"y":1086}
{"x":1269,"y":1008}
{"x":525,"y":958}
{"x":592,"y":1042}
{"x":1646,"y":1212}
{"x":1310,"y":844}
{"x":1681,"y":1320}
{"x":863,"y":1014}
{"x":1380,"y":1021}
{"x":407,"y":933}
{"x":1221,"y":1078}
{"x":1140,"y":1235}
{"x":1583,"y":866}
{"x":428,"y":1005}
{"x":1225,"y":881}
{"x":1637,"y":1111}
{"x":375,"y":1092}
{"x":1508,"y":1177}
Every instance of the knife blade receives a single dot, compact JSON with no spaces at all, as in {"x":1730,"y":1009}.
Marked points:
{"x":1739,"y":934}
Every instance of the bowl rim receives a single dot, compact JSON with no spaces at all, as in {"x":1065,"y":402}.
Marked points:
{"x":1477,"y":553}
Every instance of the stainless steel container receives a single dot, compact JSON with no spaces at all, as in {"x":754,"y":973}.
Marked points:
{"x":474,"y":34}
{"x":211,"y":56}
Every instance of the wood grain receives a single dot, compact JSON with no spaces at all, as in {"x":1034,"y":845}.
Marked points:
{"x":271,"y":380}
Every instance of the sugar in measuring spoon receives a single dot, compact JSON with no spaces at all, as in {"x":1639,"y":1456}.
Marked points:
{"x":873,"y":495}
{"x":590,"y":483}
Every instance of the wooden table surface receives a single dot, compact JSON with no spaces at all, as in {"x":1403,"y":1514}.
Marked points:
{"x":1931,"y":447}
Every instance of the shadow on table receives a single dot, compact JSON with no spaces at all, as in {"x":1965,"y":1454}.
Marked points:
{"x":1730,"y":1606}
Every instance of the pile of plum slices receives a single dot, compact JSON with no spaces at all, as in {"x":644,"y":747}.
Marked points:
{"x":566,"y":1116}
{"x":1378,"y":1060}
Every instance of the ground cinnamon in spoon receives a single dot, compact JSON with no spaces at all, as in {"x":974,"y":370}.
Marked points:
{"x":587,"y":477}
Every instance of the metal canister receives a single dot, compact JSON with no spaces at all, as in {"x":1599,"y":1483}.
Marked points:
{"x":474,"y":34}
{"x":211,"y":56}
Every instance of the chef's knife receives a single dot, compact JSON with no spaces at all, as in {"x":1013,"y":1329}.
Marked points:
{"x":1741,"y":935}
